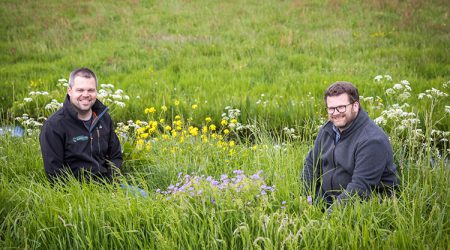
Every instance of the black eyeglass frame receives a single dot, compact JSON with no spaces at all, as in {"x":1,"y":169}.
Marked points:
{"x":339,"y":109}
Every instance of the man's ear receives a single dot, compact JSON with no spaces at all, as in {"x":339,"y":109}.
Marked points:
{"x":69,"y":91}
{"x":356,"y":106}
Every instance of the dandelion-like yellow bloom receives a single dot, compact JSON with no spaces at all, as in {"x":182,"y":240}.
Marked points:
{"x":162,"y":120}
{"x":232,"y":143}
{"x":167,"y":128}
{"x":179,"y":128}
{"x":177,"y":117}
{"x":138,"y":122}
{"x":140,"y":144}
{"x":224,"y":122}
{"x":176,"y":102}
{"x":194,"y":106}
{"x":204,"y":138}
{"x":233,"y":121}
{"x":174,"y":133}
{"x":212,"y":127}
{"x":144,"y":135}
{"x":208,"y":119}
{"x":140,"y":130}
{"x":148,"y":146}
{"x":150,"y":110}
{"x":193,"y":131}
{"x":226,"y":131}
{"x":164,"y":108}
{"x":165,"y":137}
{"x":205,"y":129}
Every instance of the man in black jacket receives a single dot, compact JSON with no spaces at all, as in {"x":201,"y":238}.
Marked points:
{"x":79,"y":138}
{"x":351,"y":154}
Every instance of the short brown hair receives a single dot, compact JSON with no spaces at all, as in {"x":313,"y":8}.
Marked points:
{"x":339,"y":88}
{"x":83,"y":72}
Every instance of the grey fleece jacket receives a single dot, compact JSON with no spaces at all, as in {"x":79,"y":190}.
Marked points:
{"x":359,"y":163}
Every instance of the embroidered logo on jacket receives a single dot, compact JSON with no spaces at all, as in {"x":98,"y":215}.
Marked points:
{"x":80,"y":138}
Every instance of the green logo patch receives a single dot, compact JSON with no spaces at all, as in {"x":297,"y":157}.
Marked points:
{"x":80,"y":138}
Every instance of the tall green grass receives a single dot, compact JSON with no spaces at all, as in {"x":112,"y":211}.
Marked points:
{"x":270,"y":59}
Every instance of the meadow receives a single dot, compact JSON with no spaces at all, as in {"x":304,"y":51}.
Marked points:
{"x":216,"y":105}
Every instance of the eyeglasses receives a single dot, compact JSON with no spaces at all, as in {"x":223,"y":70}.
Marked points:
{"x":339,"y":109}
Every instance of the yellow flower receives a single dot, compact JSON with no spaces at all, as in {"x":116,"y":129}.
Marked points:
{"x":232,"y":143}
{"x":224,"y":122}
{"x":164,"y":108}
{"x":226,"y":131}
{"x":150,"y":110}
{"x":231,"y":152}
{"x":177,"y":117}
{"x":212,"y":127}
{"x":205,"y":129}
{"x":233,"y":121}
{"x":176,"y":102}
{"x":167,"y":128}
{"x":139,"y":144}
{"x":208,"y":119}
{"x":204,"y":138}
{"x":179,"y":128}
{"x":194,"y":106}
{"x":144,"y":136}
{"x":193,"y":131}
{"x":174,"y":133}
{"x":165,"y":137}
{"x":162,"y":120}
{"x":148,"y":146}
{"x":138,"y":122}
{"x":141,"y":130}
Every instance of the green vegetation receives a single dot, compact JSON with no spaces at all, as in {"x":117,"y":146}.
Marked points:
{"x":271,"y":60}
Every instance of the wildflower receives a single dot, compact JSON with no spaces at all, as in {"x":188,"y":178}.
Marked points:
{"x":194,"y":106}
{"x":162,"y":120}
{"x":212,"y":127}
{"x":167,"y":128}
{"x":150,"y":110}
{"x":226,"y":131}
{"x":144,"y":135}
{"x":176,"y":102}
{"x":28,"y":99}
{"x":224,"y":122}
{"x":177,"y":117}
{"x":231,"y":143}
{"x":164,"y":108}
{"x":233,"y":121}
{"x":309,"y":199}
{"x":208,"y":119}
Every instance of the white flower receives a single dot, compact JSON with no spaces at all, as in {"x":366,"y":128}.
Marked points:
{"x":447,"y":109}
{"x":404,"y":82}
{"x":378,"y":78}
{"x":27,"y":99}
{"x":397,"y":86}
{"x":120,"y":104}
{"x":388,"y":77}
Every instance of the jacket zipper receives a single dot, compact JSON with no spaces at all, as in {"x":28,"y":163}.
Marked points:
{"x":91,"y":143}
{"x":98,"y":140}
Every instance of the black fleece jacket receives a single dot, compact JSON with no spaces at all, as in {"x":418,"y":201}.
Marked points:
{"x":359,"y":163}
{"x":67,"y":145}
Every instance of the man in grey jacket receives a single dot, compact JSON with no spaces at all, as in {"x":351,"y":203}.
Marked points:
{"x":351,"y":154}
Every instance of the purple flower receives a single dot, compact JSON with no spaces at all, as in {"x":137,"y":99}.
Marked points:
{"x":309,"y":199}
{"x":213,"y":201}
{"x":283,"y":202}
{"x":224,"y":177}
{"x":238,"y":172}
{"x":158,"y":190}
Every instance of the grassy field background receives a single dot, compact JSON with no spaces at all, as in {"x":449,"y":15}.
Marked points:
{"x":272,"y":60}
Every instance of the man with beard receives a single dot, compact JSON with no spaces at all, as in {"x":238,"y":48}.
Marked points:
{"x":351,"y":154}
{"x":79,"y":138}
